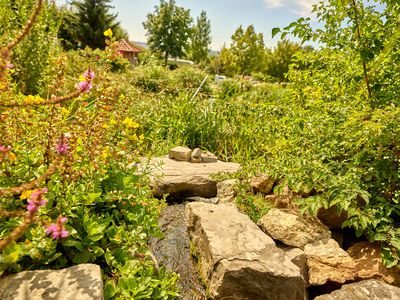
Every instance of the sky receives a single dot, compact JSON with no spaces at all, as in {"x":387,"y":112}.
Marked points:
{"x":225,"y":16}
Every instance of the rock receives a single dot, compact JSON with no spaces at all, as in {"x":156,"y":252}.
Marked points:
{"x":81,"y":282}
{"x":331,"y":217}
{"x":196,"y":160}
{"x":262,"y":183}
{"x":368,"y":289}
{"x":291,"y":229}
{"x":280,"y":201}
{"x":196,"y":153}
{"x":180,"y":153}
{"x":369,"y":263}
{"x":299,"y":258}
{"x":213,"y":200}
{"x":182,"y":179}
{"x":226,"y":191}
{"x":236,"y":259}
{"x":326,"y":261}
{"x":209,"y":157}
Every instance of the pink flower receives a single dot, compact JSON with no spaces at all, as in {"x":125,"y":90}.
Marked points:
{"x":57,"y":230}
{"x":36,"y":200}
{"x":89,"y":74}
{"x":62,"y":146}
{"x":86,"y":84}
{"x":4,"y":149}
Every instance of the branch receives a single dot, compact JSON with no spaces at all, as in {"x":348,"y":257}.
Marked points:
{"x":33,"y":184}
{"x":27,"y":27}
{"x":53,"y":100}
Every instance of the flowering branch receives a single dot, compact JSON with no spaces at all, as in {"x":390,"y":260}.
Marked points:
{"x":27,"y":27}
{"x":33,"y":184}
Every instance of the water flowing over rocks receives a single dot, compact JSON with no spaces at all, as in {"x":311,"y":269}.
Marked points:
{"x":237,"y":259}
{"x":83,"y":282}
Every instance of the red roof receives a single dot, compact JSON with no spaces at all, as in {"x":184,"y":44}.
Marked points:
{"x":127,"y":46}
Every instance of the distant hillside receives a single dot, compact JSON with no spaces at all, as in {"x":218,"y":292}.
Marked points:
{"x":141,"y":44}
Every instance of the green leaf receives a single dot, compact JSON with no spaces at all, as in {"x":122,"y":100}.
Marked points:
{"x":275,"y":31}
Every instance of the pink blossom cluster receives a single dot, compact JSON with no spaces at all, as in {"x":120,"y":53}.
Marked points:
{"x":57,"y":230}
{"x":36,"y":200}
{"x":86,"y":84}
{"x":62,"y":146}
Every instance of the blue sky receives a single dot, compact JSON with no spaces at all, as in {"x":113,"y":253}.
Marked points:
{"x":225,"y":15}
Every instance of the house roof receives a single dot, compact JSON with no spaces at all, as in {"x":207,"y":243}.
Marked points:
{"x":127,"y":46}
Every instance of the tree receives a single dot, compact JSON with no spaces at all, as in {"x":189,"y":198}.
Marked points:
{"x":91,"y":18}
{"x":200,"y":39}
{"x":248,"y":49}
{"x":168,"y":29}
{"x":278,"y":61}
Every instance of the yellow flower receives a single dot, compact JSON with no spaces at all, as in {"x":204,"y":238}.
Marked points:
{"x":108,"y":33}
{"x":26,"y":194}
{"x":141,"y":137}
{"x":12,"y":156}
{"x":64,"y":111}
{"x":113,"y":122}
{"x":134,"y":137}
{"x":128,"y":122}
{"x":30,"y":99}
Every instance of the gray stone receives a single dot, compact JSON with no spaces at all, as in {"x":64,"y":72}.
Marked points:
{"x":299,"y":258}
{"x":364,"y":290}
{"x":196,"y":160}
{"x":262,"y":183}
{"x":291,"y":229}
{"x":236,"y":259}
{"x":180,"y":153}
{"x":182,"y":179}
{"x":213,"y":200}
{"x":196,"y":153}
{"x":209,"y":157}
{"x":326,"y":261}
{"x":81,"y":282}
{"x":226,"y":191}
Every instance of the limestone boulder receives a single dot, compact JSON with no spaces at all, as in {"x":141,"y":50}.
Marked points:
{"x":368,"y":289}
{"x":181,"y":179}
{"x":262,"y":183}
{"x":236,"y":259}
{"x":291,"y":229}
{"x":226,"y":190}
{"x":326,"y":261}
{"x":299,"y":258}
{"x":280,"y":201}
{"x":331,"y":217}
{"x":81,"y":282}
{"x":208,"y":157}
{"x":369,"y":263}
{"x":180,"y":153}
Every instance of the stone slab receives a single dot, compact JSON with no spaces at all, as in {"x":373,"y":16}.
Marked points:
{"x":81,"y":282}
{"x":365,"y":290}
{"x":236,"y":259}
{"x":182,"y":179}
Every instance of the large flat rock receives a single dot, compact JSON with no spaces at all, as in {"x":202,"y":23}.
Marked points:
{"x":81,"y":282}
{"x":236,"y":259}
{"x":181,"y":179}
{"x":365,"y":290}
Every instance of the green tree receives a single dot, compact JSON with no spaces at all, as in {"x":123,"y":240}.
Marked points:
{"x":200,"y":39}
{"x":278,"y":60}
{"x":168,"y":29}
{"x":248,"y":49}
{"x":91,"y":18}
